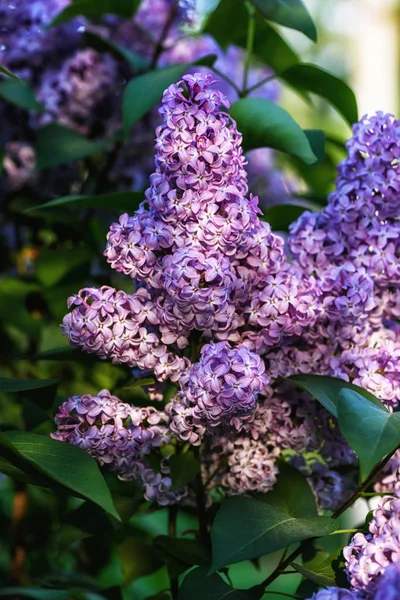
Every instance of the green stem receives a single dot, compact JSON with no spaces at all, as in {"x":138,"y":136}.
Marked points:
{"x":172,"y":514}
{"x":227,"y":79}
{"x":357,"y":494}
{"x":251,"y":28}
{"x":247,"y":91}
{"x":338,"y":531}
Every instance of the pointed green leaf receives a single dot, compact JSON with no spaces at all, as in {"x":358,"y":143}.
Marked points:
{"x":327,"y":389}
{"x":24,"y":385}
{"x":265,"y":124}
{"x":5,"y":71}
{"x":19,"y":93}
{"x":246,"y":528}
{"x":371,"y":431}
{"x":198,"y":585}
{"x":290,"y":13}
{"x":62,"y":463}
{"x":128,"y":201}
{"x":56,"y":144}
{"x":310,"y":78}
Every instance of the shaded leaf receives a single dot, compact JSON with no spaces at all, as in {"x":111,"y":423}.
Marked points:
{"x":96,"y":8}
{"x":290,"y":13}
{"x":190,"y":552}
{"x":281,"y":216}
{"x":53,"y":265}
{"x":291,"y":493}
{"x":19,"y":93}
{"x":371,"y":431}
{"x":35,"y":593}
{"x":128,"y":201}
{"x":316,"y":137}
{"x":63,"y":463}
{"x":25,"y":385}
{"x":246,"y":528}
{"x":145,"y":91}
{"x":135,"y":61}
{"x":320,"y":572}
{"x":310,"y":78}
{"x":198,"y":585}
{"x":56,"y":144}
{"x":5,"y":71}
{"x":227,"y":24}
{"x":327,"y":389}
{"x":184,"y":468}
{"x":265,"y":124}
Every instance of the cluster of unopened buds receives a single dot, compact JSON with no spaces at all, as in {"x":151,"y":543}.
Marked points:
{"x":220,"y":311}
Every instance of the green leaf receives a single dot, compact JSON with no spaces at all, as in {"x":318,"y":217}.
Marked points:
{"x":41,"y":391}
{"x":246,"y":528}
{"x":265,"y":124}
{"x":145,"y":91}
{"x":327,"y":389}
{"x":371,"y":431}
{"x":56,"y":144}
{"x":281,"y":216}
{"x":310,"y":78}
{"x":227,"y":24}
{"x":291,"y":493}
{"x":188,"y":551}
{"x":5,"y":71}
{"x":35,"y":593}
{"x":316,"y":137}
{"x":270,"y":46}
{"x":136,"y":62}
{"x":128,"y":201}
{"x":290,"y":13}
{"x":53,"y":265}
{"x":96,"y":8}
{"x":64,"y":464}
{"x":319,"y":571}
{"x":19,"y":93}
{"x":198,"y":585}
{"x":184,"y":468}
{"x":24,"y":385}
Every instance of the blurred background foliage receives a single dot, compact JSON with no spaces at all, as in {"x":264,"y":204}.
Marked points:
{"x":47,"y":537}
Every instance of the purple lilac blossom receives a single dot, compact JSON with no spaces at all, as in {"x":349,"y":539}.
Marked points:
{"x":369,"y":556}
{"x":121,"y":327}
{"x":389,"y":585}
{"x":120,"y":436}
{"x":333,"y":593}
{"x":219,"y":390}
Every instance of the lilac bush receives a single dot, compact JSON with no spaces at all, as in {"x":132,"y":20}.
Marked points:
{"x":251,"y":395}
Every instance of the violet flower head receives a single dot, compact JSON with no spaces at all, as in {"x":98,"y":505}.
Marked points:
{"x":389,"y":585}
{"x":121,"y":327}
{"x":333,"y":593}
{"x":219,"y":390}
{"x":369,"y":556}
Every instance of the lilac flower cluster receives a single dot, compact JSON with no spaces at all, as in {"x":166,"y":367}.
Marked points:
{"x":373,"y":559}
{"x":121,"y":327}
{"x":206,"y":268}
{"x":368,"y":556}
{"x":120,"y":436}
{"x":221,"y":389}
